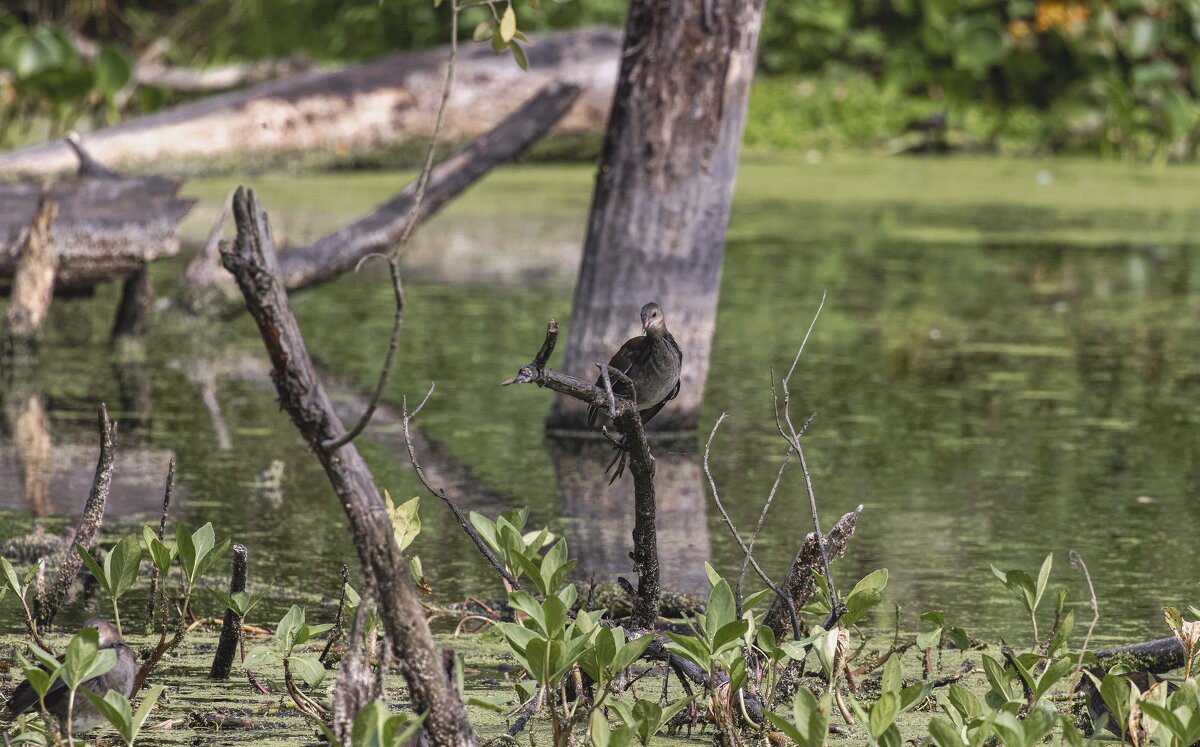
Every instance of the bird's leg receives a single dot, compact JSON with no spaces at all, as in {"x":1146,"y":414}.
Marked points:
{"x":604,"y":431}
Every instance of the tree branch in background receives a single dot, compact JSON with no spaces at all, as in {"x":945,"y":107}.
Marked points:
{"x":252,"y":260}
{"x":641,"y":463}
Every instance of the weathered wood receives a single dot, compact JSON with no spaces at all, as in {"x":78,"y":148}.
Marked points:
{"x":1157,"y":657}
{"x":106,"y":228}
{"x":47,"y":605}
{"x":390,"y":100}
{"x":231,"y":624}
{"x":628,"y":422}
{"x":33,"y":280}
{"x":799,"y":582}
{"x":252,"y":260}
{"x":663,"y":189}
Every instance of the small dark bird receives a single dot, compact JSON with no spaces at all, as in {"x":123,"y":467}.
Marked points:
{"x":652,"y":362}
{"x":85,"y":715}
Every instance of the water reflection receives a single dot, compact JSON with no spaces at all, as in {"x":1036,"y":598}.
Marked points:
{"x":52,"y":464}
{"x":598,"y":517}
{"x":993,"y":383}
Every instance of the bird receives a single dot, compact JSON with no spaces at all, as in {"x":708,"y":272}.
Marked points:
{"x":85,"y":715}
{"x":652,"y":363}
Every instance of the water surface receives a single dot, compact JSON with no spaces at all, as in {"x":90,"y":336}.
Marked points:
{"x":1006,"y":367}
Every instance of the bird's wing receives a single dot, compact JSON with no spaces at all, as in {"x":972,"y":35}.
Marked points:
{"x":652,"y":411}
{"x":622,"y":361}
{"x":25,"y":697}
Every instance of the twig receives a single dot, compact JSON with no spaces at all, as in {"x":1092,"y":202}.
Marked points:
{"x":410,"y":225}
{"x":484,"y":550}
{"x":762,"y":515}
{"x":1077,"y":561}
{"x":339,"y":617}
{"x":156,"y":597}
{"x":733,"y":530}
{"x":612,"y":400}
{"x":386,"y":370}
{"x":793,"y":439}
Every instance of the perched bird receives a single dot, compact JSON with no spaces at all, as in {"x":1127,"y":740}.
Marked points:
{"x":85,"y":715}
{"x":652,"y":363}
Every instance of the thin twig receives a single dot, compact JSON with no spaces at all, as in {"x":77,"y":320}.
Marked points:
{"x":612,"y":400}
{"x":1077,"y":561}
{"x":762,"y":515}
{"x":733,"y":530}
{"x":410,"y":225}
{"x":386,"y":370}
{"x":793,"y":439}
{"x":155,"y":597}
{"x":441,"y":493}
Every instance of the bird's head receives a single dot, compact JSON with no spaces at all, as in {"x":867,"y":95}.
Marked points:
{"x":108,"y":632}
{"x":653,"y":321}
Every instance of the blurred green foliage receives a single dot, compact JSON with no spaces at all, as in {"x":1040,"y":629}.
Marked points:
{"x":45,"y":78}
{"x":1108,"y":76}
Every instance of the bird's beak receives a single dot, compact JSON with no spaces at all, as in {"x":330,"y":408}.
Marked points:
{"x":646,"y":325}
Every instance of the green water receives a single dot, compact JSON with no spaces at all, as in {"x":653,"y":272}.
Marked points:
{"x":1006,"y":367}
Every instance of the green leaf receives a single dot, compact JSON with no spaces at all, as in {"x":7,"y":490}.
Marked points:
{"x":94,"y":567}
{"x":122,"y":565}
{"x":721,"y":609}
{"x":1043,"y":577}
{"x":482,"y":33}
{"x":631,"y":652}
{"x":883,"y":713}
{"x":729,"y":635}
{"x":943,"y":734}
{"x":1143,"y":37}
{"x":114,"y":69}
{"x":115,"y":708}
{"x":307,"y":668}
{"x":406,"y":520}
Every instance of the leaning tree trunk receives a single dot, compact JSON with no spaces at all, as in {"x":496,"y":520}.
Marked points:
{"x":661,"y":204}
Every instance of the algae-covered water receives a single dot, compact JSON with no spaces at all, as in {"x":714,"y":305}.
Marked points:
{"x":1007,"y":366}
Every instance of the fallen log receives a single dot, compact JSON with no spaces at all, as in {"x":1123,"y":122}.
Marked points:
{"x":205,"y":290}
{"x":106,"y":228}
{"x":386,"y":101}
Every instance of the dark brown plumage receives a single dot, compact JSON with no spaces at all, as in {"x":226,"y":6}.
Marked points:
{"x":652,"y":363}
{"x":119,"y":678}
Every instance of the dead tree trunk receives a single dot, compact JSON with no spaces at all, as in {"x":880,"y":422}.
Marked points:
{"x":251,"y":259}
{"x":661,"y":203}
{"x":33,"y":281}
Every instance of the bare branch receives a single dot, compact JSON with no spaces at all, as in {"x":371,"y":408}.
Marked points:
{"x":385,"y":372}
{"x":1077,"y":561}
{"x":629,"y":422}
{"x":737,"y":537}
{"x":484,"y":550}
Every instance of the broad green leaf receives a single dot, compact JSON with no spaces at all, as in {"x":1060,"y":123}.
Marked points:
{"x":307,"y":668}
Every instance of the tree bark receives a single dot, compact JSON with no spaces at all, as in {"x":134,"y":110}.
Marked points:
{"x":33,"y":279}
{"x":663,"y":189}
{"x":251,"y":259}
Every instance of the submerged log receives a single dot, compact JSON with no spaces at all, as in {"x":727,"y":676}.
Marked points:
{"x":389,"y":100}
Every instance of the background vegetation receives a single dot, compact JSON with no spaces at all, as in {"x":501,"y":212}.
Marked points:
{"x":1109,"y":77}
